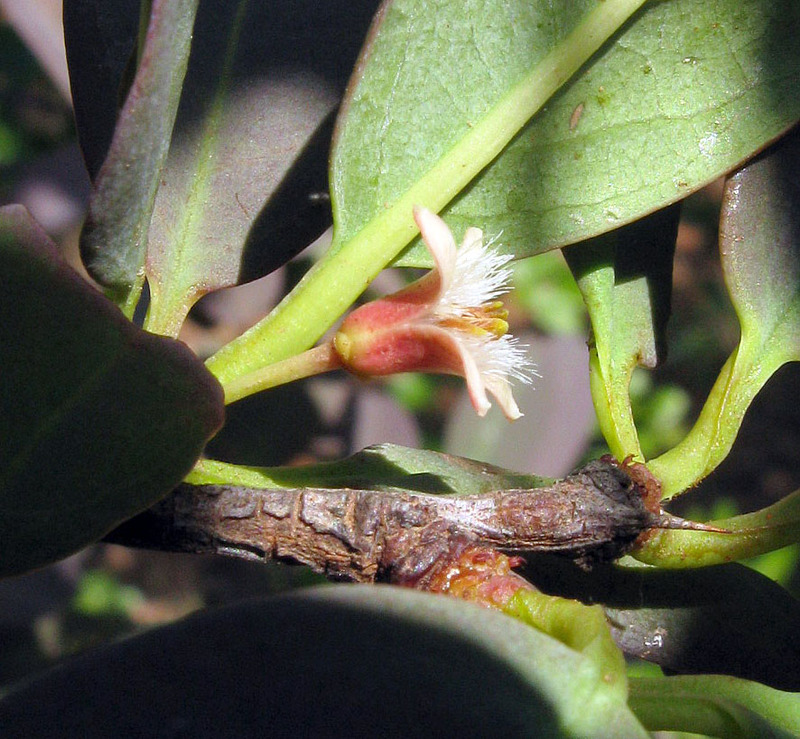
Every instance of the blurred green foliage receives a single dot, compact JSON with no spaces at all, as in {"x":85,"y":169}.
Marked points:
{"x":99,"y":593}
{"x":546,"y":290}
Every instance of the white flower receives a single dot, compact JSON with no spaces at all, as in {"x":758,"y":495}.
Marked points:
{"x":449,"y":321}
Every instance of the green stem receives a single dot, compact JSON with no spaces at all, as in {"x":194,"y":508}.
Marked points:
{"x":714,"y":705}
{"x":315,"y":361}
{"x":613,"y":408}
{"x":340,"y":277}
{"x":711,"y":438}
{"x":751,"y":534}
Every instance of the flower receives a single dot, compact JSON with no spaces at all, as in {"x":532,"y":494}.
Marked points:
{"x":449,"y":321}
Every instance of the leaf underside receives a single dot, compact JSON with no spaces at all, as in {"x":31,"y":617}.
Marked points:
{"x":656,"y":115}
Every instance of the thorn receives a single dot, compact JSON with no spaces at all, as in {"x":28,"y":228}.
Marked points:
{"x":664,"y":520}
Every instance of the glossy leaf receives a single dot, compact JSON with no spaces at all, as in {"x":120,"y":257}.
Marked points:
{"x":336,"y":661}
{"x":760,"y":252}
{"x":626,"y":281}
{"x":715,"y":705}
{"x":381,"y":467}
{"x":726,"y":619}
{"x":114,"y":239}
{"x":98,"y":419}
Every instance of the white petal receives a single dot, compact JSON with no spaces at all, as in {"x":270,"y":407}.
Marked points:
{"x":501,"y":356}
{"x":502,"y":393}
{"x":475,"y":381}
{"x":440,"y":242}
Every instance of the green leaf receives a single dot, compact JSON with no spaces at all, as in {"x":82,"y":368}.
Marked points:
{"x":248,"y":162}
{"x":429,"y":73}
{"x":656,"y":115}
{"x":441,"y":90}
{"x":98,"y":419}
{"x":686,"y":91}
{"x":415,"y":49}
{"x":240,"y":191}
{"x":334,"y":661}
{"x":726,"y":619}
{"x":715,"y":705}
{"x":381,"y":467}
{"x":760,"y":251}
{"x":580,"y":627}
{"x":626,"y":281}
{"x":114,"y":239}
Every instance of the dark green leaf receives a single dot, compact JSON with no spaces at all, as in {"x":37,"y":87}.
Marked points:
{"x":245,"y":185}
{"x":337,"y":661}
{"x":114,"y":240}
{"x":98,"y":419}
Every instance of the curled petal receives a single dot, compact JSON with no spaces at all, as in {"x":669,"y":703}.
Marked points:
{"x":450,"y":321}
{"x":440,"y":242}
{"x":500,"y":388}
{"x":475,"y":381}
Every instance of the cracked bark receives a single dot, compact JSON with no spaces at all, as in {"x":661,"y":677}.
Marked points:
{"x":594,"y":514}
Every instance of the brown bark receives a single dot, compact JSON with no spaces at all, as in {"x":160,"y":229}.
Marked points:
{"x":362,"y":535}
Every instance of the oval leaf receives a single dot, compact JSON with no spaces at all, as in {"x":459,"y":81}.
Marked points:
{"x":335,"y":661}
{"x":98,"y":419}
{"x":655,"y":116}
